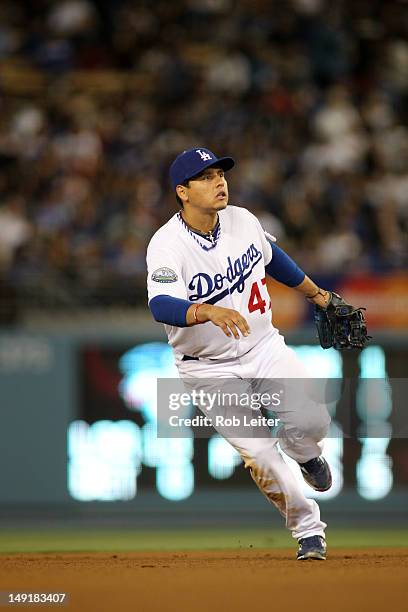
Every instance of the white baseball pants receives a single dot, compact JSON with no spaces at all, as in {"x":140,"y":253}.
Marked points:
{"x":307,"y":421}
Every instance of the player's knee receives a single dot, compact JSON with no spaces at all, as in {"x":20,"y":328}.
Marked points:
{"x":313,"y":425}
{"x":322,"y":423}
{"x":318,"y":431}
{"x":260,"y":457}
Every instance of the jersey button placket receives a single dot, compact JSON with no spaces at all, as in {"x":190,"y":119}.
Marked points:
{"x":222,"y":258}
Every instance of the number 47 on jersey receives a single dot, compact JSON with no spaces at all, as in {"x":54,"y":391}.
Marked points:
{"x":256,"y":301}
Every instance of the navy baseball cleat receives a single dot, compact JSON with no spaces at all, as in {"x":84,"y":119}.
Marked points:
{"x":312,"y":548}
{"x":317,"y":474}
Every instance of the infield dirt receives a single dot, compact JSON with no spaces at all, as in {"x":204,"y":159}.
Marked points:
{"x":251,"y":580}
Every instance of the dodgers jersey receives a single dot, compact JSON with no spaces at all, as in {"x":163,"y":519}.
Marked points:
{"x":230,"y":274}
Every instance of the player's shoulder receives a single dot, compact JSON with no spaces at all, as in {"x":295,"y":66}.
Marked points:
{"x":238,"y":214}
{"x":164,"y":237}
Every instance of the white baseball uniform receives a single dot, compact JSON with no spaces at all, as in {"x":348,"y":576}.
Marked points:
{"x":229,"y":271}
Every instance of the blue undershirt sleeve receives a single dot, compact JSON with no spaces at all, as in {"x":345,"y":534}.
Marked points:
{"x":283,"y":269}
{"x":169,"y":310}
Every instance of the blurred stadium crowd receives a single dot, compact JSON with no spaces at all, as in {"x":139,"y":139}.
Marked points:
{"x":309,"y":96}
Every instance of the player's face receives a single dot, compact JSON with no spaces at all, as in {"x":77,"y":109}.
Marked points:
{"x":208,"y":191}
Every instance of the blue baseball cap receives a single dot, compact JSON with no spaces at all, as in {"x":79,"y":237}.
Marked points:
{"x":193,"y":161}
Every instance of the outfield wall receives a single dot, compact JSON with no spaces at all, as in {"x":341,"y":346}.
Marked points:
{"x":72,"y":445}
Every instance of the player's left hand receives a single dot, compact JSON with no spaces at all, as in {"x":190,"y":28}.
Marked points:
{"x":340,"y":325}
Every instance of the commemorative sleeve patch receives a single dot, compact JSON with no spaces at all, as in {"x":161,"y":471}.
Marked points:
{"x":164,"y":275}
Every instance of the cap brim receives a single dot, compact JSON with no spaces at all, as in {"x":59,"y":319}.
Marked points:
{"x":226,"y":163}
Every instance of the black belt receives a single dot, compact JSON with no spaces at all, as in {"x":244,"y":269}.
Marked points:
{"x":189,"y":358}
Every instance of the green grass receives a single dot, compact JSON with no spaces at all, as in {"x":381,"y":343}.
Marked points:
{"x":18,"y":541}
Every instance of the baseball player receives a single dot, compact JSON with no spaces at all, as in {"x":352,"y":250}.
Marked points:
{"x":206,"y":282}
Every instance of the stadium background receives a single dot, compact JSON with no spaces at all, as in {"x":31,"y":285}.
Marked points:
{"x":96,"y":99}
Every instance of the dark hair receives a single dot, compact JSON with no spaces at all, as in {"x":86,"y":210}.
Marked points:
{"x":179,"y":200}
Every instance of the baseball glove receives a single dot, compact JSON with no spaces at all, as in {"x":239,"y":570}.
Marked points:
{"x":340,"y":325}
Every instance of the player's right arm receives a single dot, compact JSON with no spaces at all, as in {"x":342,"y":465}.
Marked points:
{"x":230,"y":321}
{"x":182,"y":313}
{"x":167,"y":295}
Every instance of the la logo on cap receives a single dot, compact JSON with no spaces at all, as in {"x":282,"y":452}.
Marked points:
{"x":204,"y":156}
